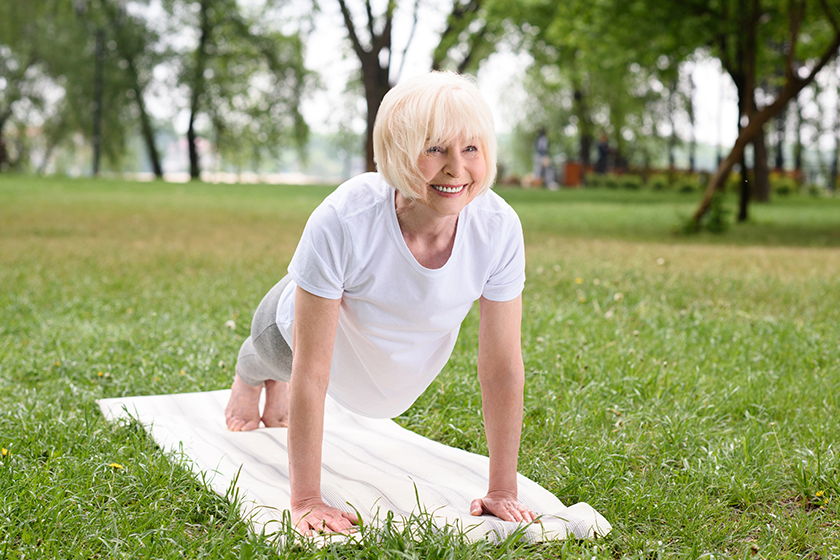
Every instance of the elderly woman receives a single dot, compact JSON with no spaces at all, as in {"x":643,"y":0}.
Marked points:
{"x":385,"y":272}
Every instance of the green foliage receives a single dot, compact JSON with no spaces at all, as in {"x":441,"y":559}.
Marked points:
{"x":595,"y":180}
{"x":714,"y":220}
{"x":686,"y":387}
{"x":686,"y":184}
{"x":631,"y":182}
{"x":659,"y":182}
{"x":783,"y":185}
{"x":245,"y":79}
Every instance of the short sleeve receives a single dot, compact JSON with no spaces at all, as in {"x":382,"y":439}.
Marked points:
{"x":507,"y":278}
{"x":320,"y":261}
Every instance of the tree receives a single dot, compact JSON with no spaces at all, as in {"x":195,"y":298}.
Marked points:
{"x":20,"y":65}
{"x":818,"y":23}
{"x":136,"y":43}
{"x":66,"y":51}
{"x":614,"y":65}
{"x":374,"y":54}
{"x":473,"y":30}
{"x":244,"y":78}
{"x":124,"y":57}
{"x":835,"y":159}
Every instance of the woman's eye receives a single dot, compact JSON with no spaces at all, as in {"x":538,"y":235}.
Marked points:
{"x":434,"y":150}
{"x":470,"y":149}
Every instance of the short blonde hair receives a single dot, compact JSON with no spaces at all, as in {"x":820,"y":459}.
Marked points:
{"x":429,"y":110}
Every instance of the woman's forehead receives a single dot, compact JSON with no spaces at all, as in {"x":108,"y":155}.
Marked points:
{"x":467,"y":137}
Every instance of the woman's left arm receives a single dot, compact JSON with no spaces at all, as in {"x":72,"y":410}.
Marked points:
{"x":502,"y":377}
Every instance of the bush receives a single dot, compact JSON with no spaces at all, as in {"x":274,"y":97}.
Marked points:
{"x":687,"y":185}
{"x":659,"y":183}
{"x":611,"y":182}
{"x":631,"y":182}
{"x":715,"y":219}
{"x":594,"y":180}
{"x":783,"y":185}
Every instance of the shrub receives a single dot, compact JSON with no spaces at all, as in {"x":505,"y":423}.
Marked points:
{"x":715,"y":219}
{"x":611,"y":181}
{"x":594,"y":180}
{"x":783,"y":185}
{"x":687,"y":185}
{"x":631,"y":182}
{"x":659,"y":183}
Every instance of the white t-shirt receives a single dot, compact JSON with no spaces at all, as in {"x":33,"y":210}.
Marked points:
{"x":398,"y":320}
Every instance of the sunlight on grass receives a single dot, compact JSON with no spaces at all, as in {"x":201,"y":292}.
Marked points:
{"x":686,"y":387}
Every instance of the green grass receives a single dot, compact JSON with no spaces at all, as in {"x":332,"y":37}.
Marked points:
{"x":686,"y":387}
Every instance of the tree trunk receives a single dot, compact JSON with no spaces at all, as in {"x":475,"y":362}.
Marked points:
{"x":797,"y":147}
{"x":377,"y":85}
{"x":375,"y":76}
{"x":780,"y":139}
{"x":744,"y":191}
{"x":98,"y":86}
{"x":198,"y":89}
{"x":4,"y":156}
{"x":761,"y":171}
{"x":581,"y":110}
{"x":692,"y":149}
{"x":835,"y":161}
{"x":145,"y":122}
{"x":148,"y":135}
{"x":672,"y":139}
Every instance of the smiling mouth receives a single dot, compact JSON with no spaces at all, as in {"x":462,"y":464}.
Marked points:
{"x":449,"y":189}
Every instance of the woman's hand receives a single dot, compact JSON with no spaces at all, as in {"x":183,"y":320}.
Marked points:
{"x":504,"y":506}
{"x":317,"y":517}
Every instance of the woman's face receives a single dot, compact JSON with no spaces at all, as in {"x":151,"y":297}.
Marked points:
{"x":453,"y":175}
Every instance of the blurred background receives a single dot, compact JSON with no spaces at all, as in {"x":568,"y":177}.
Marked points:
{"x":624,"y":94}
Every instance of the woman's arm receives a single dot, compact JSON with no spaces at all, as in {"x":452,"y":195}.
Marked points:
{"x":502,"y":377}
{"x":316,"y":320}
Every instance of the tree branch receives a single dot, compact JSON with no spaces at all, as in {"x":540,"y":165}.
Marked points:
{"x":408,"y":43}
{"x":458,"y":20}
{"x":830,"y":16}
{"x":370,"y":17}
{"x":351,"y":30}
{"x":795,"y":19}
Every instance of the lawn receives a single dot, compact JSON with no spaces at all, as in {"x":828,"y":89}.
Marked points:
{"x":687,"y":387}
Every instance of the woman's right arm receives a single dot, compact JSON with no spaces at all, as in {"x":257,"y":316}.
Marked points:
{"x":316,"y":320}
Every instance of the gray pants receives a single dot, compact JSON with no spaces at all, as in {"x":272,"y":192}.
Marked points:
{"x":265,"y":354}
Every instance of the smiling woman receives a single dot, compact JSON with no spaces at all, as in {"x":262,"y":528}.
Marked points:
{"x":386,"y":271}
{"x":417,"y":123}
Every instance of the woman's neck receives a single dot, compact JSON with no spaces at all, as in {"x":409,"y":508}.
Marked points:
{"x":429,"y":236}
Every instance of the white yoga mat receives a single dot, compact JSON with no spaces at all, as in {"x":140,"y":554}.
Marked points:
{"x":372,"y":465}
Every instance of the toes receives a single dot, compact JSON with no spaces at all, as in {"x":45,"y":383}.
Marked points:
{"x":235,"y":424}
{"x":276,"y":423}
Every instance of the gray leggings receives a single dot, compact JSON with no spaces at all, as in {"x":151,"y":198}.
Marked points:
{"x":265,"y":354}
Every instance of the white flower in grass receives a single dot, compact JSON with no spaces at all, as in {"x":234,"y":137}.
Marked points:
{"x":231,"y":324}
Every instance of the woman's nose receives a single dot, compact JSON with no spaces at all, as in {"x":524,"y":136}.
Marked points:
{"x":454,"y":164}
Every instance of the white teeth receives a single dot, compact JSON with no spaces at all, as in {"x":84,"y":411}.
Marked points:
{"x":448,"y":189}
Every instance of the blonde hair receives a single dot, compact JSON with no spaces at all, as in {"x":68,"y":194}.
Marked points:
{"x":429,"y":110}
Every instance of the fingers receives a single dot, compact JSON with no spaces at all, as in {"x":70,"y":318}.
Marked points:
{"x":504,"y":509}
{"x":325,"y":519}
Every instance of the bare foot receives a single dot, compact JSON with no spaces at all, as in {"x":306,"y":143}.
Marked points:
{"x":242,"y":412}
{"x":276,"y":410}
